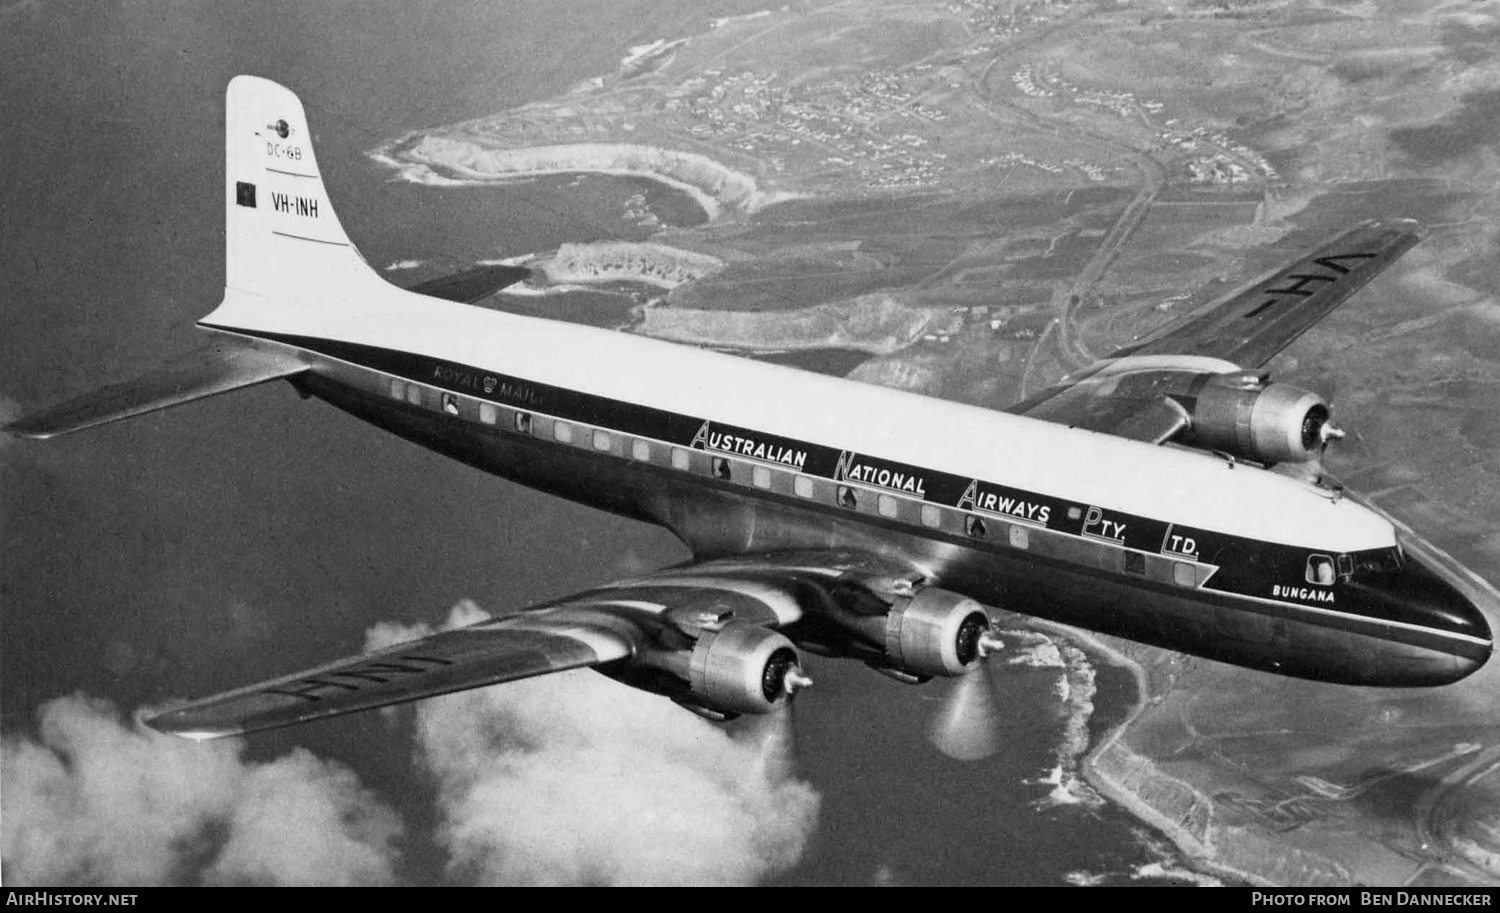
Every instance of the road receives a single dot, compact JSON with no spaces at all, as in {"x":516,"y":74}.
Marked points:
{"x":1068,"y":297}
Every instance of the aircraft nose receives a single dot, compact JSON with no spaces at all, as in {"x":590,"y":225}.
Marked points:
{"x":1433,"y":596}
{"x":1448,"y":597}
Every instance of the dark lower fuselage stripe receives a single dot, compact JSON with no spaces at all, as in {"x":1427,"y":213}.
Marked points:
{"x":1245,"y":570}
{"x":714,"y":516}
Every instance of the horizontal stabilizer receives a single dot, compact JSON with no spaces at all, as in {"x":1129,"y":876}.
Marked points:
{"x":204,"y":372}
{"x":472,"y":285}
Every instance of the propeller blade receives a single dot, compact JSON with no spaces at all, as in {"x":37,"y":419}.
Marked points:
{"x":968,"y":728}
{"x":774,"y":737}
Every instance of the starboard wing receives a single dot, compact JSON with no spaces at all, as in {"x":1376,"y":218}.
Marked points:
{"x":1250,"y":326}
{"x":1123,"y":394}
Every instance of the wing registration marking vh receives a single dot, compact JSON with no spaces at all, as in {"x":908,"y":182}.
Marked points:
{"x":1301,"y":285}
{"x":380,"y":672}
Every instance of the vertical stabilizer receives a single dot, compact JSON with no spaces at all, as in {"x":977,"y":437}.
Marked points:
{"x":283,"y":239}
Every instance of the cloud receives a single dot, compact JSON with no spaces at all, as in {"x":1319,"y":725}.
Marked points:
{"x":566,"y":779}
{"x":302,"y":820}
{"x":98,"y":802}
{"x":576,"y":779}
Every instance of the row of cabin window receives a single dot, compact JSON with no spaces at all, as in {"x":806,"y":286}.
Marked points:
{"x":888,"y":506}
{"x":720,"y":467}
{"x":450,"y":403}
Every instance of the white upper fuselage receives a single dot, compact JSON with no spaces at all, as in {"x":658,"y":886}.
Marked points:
{"x":1170,"y":484}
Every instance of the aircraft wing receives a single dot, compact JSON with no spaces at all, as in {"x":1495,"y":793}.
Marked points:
{"x":207,"y":371}
{"x":609,"y":625}
{"x":1123,"y":394}
{"x":1252,"y":325}
{"x":483,"y":654}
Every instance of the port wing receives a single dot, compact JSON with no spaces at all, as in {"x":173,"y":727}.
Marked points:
{"x":521,"y":646}
{"x":1121,"y":395}
{"x":620,"y":624}
{"x":205,"y":372}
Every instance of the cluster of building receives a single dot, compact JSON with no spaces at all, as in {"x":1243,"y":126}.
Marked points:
{"x":1046,"y":85}
{"x":1215,"y":157}
{"x":996,"y":319}
{"x":1090,"y":170}
{"x":1216,"y":169}
{"x":750,"y":112}
{"x":999,"y":19}
{"x":869,"y":127}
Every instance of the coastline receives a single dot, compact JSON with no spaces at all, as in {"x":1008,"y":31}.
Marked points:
{"x":1182,"y":813}
{"x":877,"y":324}
{"x":1125,"y":778}
{"x":715,"y":187}
{"x":602,"y":262}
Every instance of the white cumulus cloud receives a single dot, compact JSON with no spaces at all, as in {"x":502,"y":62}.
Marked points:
{"x":576,"y":779}
{"x":97,"y":801}
{"x":565,"y":779}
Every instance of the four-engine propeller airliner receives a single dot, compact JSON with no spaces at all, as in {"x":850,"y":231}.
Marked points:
{"x":1171,"y":493}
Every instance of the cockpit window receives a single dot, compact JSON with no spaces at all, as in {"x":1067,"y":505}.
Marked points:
{"x":1377,"y":561}
{"x":1320,"y":570}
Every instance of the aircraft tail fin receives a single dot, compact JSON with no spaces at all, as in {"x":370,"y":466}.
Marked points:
{"x":285,"y":252}
{"x":282,"y":237}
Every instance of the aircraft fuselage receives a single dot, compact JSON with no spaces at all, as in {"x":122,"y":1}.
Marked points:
{"x":1298,"y":608}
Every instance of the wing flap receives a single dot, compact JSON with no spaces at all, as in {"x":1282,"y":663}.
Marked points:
{"x":1126,"y":403}
{"x":1154,"y":422}
{"x":201,"y":373}
{"x":484,"y":654}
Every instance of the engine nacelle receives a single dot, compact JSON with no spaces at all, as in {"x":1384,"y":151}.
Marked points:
{"x":741,"y":668}
{"x":1269,"y":423}
{"x":935,"y":632}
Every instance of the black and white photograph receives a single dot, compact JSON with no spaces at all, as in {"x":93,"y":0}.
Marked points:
{"x":717,"y":443}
